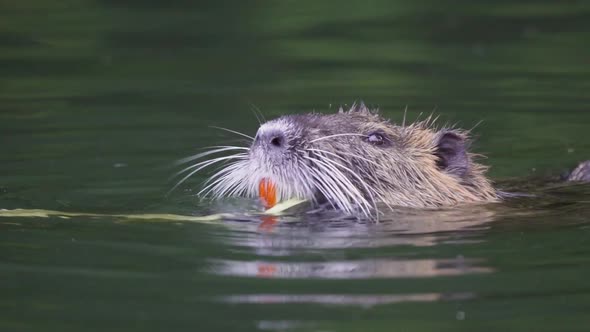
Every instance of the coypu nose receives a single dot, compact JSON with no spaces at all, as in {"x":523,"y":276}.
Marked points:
{"x":272,"y":136}
{"x":273,"y":140}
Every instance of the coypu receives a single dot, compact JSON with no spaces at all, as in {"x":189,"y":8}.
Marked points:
{"x":354,"y":159}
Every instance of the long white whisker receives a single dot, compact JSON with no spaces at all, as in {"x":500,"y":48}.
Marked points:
{"x":335,"y":135}
{"x":233,"y":185}
{"x":233,"y":182}
{"x":233,"y":131}
{"x":316,"y":184}
{"x":306,"y":181}
{"x":352,"y":191}
{"x":326,"y":159}
{"x":211,"y":161}
{"x":331,"y":190}
{"x":323,"y":188}
{"x":238,"y":188}
{"x":344,"y":153}
{"x":354,"y":173}
{"x":405,"y":113}
{"x":223,"y":176}
{"x":184,"y":179}
{"x":361,"y":181}
{"x":327,"y":181}
{"x":340,"y":184}
{"x":224,"y":171}
{"x":204,"y":164}
{"x":258,"y":114}
{"x":257,"y":117}
{"x":220,"y":148}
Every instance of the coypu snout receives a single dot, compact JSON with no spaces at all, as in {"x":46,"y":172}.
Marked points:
{"x":354,"y":160}
{"x":271,"y":141}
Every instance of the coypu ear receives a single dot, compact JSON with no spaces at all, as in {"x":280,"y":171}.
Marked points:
{"x":451,"y":151}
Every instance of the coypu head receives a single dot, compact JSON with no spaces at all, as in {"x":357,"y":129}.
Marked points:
{"x":354,"y":160}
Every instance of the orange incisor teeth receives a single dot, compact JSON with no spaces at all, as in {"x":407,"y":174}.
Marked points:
{"x":267,"y":192}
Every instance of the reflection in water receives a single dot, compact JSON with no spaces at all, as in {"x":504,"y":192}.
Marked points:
{"x":275,"y":237}
{"x":343,"y":299}
{"x":272,"y":236}
{"x":370,"y":268}
{"x":278,"y":237}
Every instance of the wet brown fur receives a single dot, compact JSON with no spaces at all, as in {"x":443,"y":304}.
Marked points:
{"x":410,"y":176}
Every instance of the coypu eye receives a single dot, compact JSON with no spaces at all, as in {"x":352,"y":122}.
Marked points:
{"x":376,"y":138}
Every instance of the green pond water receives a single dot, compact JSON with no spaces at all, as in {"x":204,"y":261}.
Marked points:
{"x":99,"y":98}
